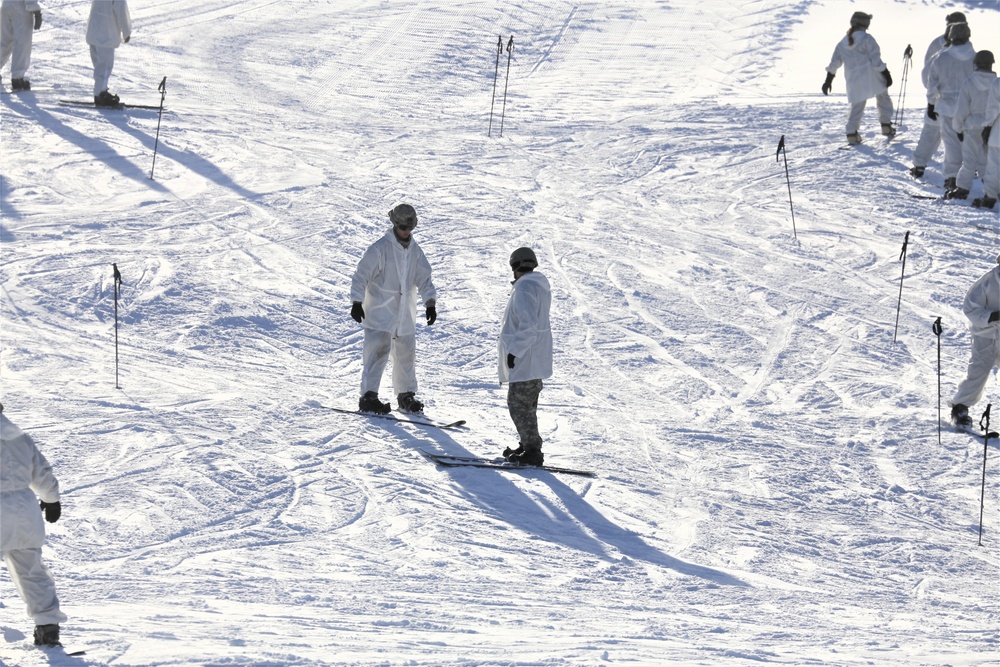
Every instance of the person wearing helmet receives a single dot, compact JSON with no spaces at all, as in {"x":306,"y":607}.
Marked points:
{"x":991,"y":179}
{"x":384,"y":301}
{"x":867,"y":76}
{"x":930,"y":135}
{"x":525,"y":353}
{"x":982,"y":307}
{"x":28,"y":485}
{"x":968,"y":122}
{"x":948,"y":72}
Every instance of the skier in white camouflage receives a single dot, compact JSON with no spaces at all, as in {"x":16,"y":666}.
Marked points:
{"x":930,"y":135}
{"x":991,"y":178}
{"x":525,"y":354}
{"x":866,"y":75}
{"x":968,"y":122}
{"x":982,"y":307}
{"x":948,"y":72}
{"x":27,"y":490}
{"x":384,"y":300}
{"x":18,"y":20}
{"x":109,"y":25}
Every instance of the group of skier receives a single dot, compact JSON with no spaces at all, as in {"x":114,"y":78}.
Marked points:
{"x":963,"y":103}
{"x":384,"y":289}
{"x":108,"y":26}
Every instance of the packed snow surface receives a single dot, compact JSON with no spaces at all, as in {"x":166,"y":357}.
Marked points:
{"x":772,"y":485}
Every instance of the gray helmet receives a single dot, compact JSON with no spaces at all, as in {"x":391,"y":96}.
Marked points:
{"x":403,"y":216}
{"x":958,"y":33}
{"x":861,"y":20}
{"x":983,"y":60}
{"x":523,"y":259}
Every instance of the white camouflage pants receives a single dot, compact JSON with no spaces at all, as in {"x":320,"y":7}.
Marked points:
{"x":952,"y":148}
{"x":985,"y":356}
{"x":16,"y":28}
{"x":378,"y":348}
{"x":973,"y":158}
{"x":991,"y":179}
{"x":929,"y":142}
{"x":857,"y":110}
{"x":103,"y":58}
{"x":35,"y":585}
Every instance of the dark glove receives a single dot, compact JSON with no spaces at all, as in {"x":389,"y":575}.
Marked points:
{"x":38,"y":19}
{"x":52,"y":510}
{"x":432,"y":314}
{"x":986,"y":134}
{"x":961,"y":136}
{"x":357,"y":312}
{"x":994,"y":316}
{"x":931,"y":113}
{"x":887,"y":77}
{"x":510,"y":361}
{"x":828,"y":84}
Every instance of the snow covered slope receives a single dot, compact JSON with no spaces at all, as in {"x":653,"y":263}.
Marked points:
{"x":771,"y":486}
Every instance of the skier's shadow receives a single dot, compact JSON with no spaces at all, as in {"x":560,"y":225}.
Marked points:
{"x":573,"y":522}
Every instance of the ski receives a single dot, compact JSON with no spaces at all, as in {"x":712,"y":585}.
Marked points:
{"x":425,"y":421}
{"x":497,"y":464}
{"x":62,"y":649}
{"x":116,"y":107}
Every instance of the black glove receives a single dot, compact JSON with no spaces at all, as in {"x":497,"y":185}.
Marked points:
{"x":38,"y":19}
{"x":931,"y":113}
{"x":828,"y":84}
{"x":986,"y":134}
{"x":961,"y":136}
{"x":510,"y":361}
{"x":432,"y":314}
{"x":52,"y":510}
{"x":887,"y":77}
{"x":357,"y":312}
{"x":994,"y":316}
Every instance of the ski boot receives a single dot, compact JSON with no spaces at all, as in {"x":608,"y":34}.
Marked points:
{"x":956,"y":193}
{"x":528,"y":457}
{"x":984,"y":202}
{"x":508,"y":452}
{"x":853,"y":139}
{"x":408,"y":403}
{"x":370,"y":403}
{"x":960,"y":416}
{"x":917,"y":172}
{"x":20,"y":84}
{"x":47,"y":635}
{"x":949,"y":183}
{"x":888,"y":130}
{"x":106,"y":99}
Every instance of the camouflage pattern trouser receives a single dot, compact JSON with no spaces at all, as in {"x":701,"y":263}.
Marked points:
{"x":522,"y":403}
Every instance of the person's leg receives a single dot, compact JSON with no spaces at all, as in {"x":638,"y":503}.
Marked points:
{"x":35,"y":585}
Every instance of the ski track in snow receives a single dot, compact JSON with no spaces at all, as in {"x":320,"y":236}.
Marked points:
{"x":770,"y":485}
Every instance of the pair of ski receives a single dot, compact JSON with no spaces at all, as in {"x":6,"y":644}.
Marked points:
{"x":460,"y":461}
{"x":113,"y":107}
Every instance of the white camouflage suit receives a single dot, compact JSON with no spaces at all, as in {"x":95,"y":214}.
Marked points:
{"x":930,"y":135}
{"x":982,"y":299}
{"x":991,"y":179}
{"x":110,"y":23}
{"x":970,"y":116}
{"x":863,"y":68}
{"x":17,"y":24}
{"x":948,"y":72}
{"x":386,"y":282}
{"x":24,"y":473}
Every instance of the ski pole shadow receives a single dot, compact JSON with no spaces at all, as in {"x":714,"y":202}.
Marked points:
{"x":573,"y":522}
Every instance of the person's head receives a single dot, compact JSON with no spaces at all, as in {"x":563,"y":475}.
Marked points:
{"x":955,"y":17}
{"x":983,"y":61}
{"x":958,"y":33}
{"x":523,"y":261}
{"x":404,"y":219}
{"x":860,"y":21}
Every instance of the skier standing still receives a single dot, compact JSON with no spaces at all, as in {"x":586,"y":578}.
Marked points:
{"x":948,"y":72}
{"x":982,"y":307}
{"x":18,"y":20}
{"x":866,"y":75}
{"x":109,"y":25}
{"x":384,"y":300}
{"x":24,"y":473}
{"x":525,"y":353}
{"x":968,"y":122}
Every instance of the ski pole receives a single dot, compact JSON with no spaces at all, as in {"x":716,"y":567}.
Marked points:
{"x":781,"y":149}
{"x":163,"y":94}
{"x":118,"y":281}
{"x":936,"y":327}
{"x":986,"y":444}
{"x":902,"y":256}
{"x":496,"y":72}
{"x":503,"y":111}
{"x":901,"y":100}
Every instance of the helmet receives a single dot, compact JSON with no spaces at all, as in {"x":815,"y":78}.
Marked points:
{"x":861,"y":20}
{"x":959,"y":33}
{"x":983,"y":60}
{"x":955,"y":17}
{"x":523,"y":258}
{"x":403,"y":216}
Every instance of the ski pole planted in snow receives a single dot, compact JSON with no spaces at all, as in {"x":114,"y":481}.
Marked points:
{"x":986,"y":445}
{"x":118,"y":281}
{"x":902,"y":256}
{"x":503,"y":111}
{"x":496,"y":72}
{"x":901,"y":100}
{"x":936,"y":327}
{"x":163,"y":94}
{"x":781,"y":149}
